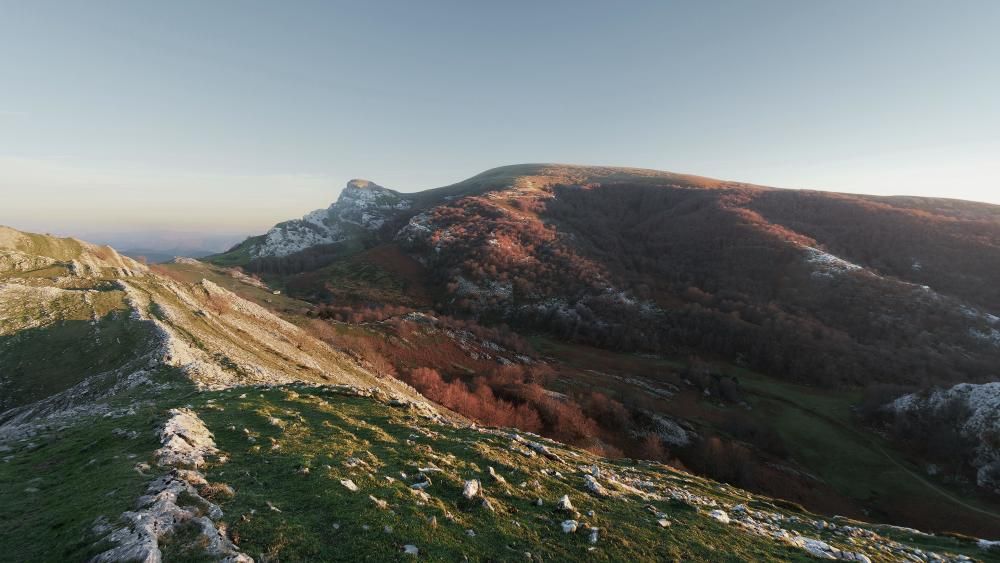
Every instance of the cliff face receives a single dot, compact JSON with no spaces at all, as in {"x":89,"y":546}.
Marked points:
{"x":973,"y":412}
{"x":361,"y":205}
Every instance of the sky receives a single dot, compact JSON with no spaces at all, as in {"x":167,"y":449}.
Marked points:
{"x":218,"y":119}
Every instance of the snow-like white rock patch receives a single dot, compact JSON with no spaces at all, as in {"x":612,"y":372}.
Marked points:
{"x":981,"y":424}
{"x":828,"y":265}
{"x":361,"y":203}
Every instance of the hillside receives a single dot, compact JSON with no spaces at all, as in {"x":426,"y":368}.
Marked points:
{"x":184,"y":419}
{"x":891,"y":290}
{"x":742,"y":294}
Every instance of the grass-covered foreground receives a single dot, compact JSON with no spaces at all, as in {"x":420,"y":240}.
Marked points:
{"x":290,"y":450}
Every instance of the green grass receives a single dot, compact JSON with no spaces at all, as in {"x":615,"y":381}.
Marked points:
{"x":86,"y":471}
{"x":55,"y":485}
{"x":40,"y":362}
{"x":237,"y":256}
{"x":819,"y":429}
{"x":323,"y":429}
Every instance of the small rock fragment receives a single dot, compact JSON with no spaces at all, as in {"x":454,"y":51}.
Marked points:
{"x":471,"y":489}
{"x":719,"y":515}
{"x":496,"y":476}
{"x":379,"y":502}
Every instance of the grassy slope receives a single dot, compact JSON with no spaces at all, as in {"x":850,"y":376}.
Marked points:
{"x":41,"y":362}
{"x":320,"y":519}
{"x":323,"y":430}
{"x":54,"y":485}
{"x":817,"y":427}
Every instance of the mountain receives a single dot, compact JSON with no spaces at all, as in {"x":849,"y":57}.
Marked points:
{"x":891,"y":290}
{"x":757,"y":335}
{"x":362,"y":206}
{"x":186,"y":412}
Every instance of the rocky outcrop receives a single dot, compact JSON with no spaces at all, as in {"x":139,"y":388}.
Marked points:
{"x":978,"y":420}
{"x":172,"y":500}
{"x":362,"y":205}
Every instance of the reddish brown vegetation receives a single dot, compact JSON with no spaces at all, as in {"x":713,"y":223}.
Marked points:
{"x":727,"y":270}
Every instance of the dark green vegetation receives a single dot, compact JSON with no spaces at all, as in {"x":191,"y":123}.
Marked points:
{"x":833,"y":464}
{"x":41,"y":362}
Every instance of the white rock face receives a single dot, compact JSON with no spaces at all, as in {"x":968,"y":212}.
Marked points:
{"x":186,"y":441}
{"x":719,"y":515}
{"x":361,"y":204}
{"x":828,"y":265}
{"x":471,"y":489}
{"x":981,"y":424}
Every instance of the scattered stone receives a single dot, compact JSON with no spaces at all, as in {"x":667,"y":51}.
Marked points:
{"x":471,"y":489}
{"x":663,"y":522}
{"x":410,"y":549}
{"x":591,"y":484}
{"x":496,"y":476}
{"x":471,"y":533}
{"x":379,"y":502}
{"x":569,"y":526}
{"x":593,"y":535}
{"x":349,"y":485}
{"x":272,"y":507}
{"x":564,"y":504}
{"x":719,"y":515}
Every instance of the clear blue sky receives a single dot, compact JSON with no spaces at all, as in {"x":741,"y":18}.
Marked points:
{"x":230,"y":116}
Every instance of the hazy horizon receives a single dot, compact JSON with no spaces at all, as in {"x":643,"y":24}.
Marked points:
{"x":223,"y":119}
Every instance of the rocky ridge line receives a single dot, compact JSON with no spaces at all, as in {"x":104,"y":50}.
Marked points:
{"x":186,"y":445}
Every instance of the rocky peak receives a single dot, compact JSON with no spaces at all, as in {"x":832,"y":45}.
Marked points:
{"x":362,"y":184}
{"x":368,"y":204}
{"x":368,"y":194}
{"x":362,"y":203}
